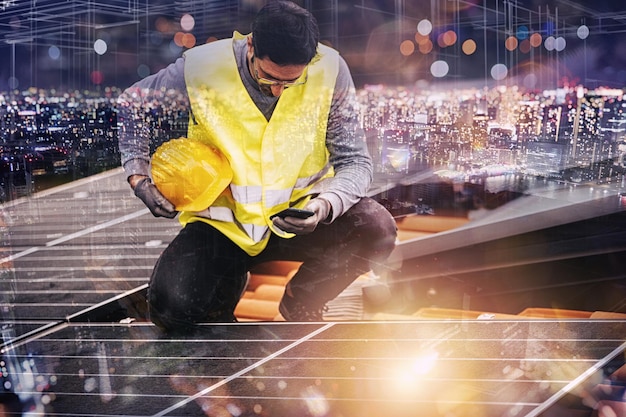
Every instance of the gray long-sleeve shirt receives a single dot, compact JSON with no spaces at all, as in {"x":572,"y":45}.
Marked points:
{"x":344,"y":138}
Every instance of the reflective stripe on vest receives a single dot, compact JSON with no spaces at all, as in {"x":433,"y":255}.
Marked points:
{"x":275,"y":163}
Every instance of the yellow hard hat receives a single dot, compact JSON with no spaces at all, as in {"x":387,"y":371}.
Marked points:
{"x":190,"y":174}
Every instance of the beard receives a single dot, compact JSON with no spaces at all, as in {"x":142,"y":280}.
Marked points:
{"x":266,"y":90}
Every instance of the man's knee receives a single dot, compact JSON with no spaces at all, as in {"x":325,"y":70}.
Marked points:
{"x":380,"y":225}
{"x":173,"y":308}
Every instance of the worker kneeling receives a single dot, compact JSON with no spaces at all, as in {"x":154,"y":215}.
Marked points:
{"x":271,"y":129}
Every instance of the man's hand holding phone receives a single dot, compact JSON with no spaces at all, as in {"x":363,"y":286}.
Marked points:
{"x":301,"y":222}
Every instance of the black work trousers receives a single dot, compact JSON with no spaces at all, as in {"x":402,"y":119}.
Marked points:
{"x":202,"y":274}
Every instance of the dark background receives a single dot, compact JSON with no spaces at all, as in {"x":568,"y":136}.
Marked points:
{"x":50,"y":44}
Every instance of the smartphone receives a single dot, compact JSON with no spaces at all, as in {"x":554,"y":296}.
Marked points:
{"x":293,"y":212}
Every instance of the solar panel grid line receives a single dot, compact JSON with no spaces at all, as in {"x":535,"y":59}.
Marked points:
{"x":71,"y":273}
{"x":462,"y":339}
{"x":377,"y":400}
{"x":85,"y":268}
{"x":98,"y":227}
{"x":64,"y":291}
{"x":18,"y":255}
{"x":299,"y":398}
{"x":119,"y":296}
{"x":562,"y":382}
{"x":53,"y":237}
{"x":76,"y":272}
{"x":281,"y":399}
{"x":80,"y":284}
{"x":71,"y":279}
{"x":87,"y":308}
{"x":44,"y":230}
{"x":117,"y":257}
{"x":456,"y":359}
{"x":71,"y":304}
{"x":78,"y":279}
{"x":37,"y":248}
{"x":97,"y":248}
{"x":9,"y":346}
{"x":148,"y":249}
{"x":121,"y":236}
{"x":110,"y":200}
{"x":98,"y":239}
{"x":67,"y":311}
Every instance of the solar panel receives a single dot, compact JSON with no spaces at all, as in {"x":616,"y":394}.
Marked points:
{"x":430,"y":368}
{"x":77,"y":263}
{"x":76,"y":246}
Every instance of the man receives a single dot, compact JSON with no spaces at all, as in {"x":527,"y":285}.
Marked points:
{"x":282,"y":108}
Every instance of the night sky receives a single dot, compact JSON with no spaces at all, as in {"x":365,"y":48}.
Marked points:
{"x":55,"y":47}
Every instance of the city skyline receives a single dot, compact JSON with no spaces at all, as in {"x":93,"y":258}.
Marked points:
{"x":576,"y":135}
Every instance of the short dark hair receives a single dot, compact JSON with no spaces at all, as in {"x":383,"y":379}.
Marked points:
{"x":285,"y":33}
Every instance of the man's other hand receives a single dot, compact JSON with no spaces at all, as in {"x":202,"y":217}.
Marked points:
{"x":319,"y":206}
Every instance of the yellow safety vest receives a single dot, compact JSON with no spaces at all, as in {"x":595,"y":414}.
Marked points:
{"x":275,"y":163}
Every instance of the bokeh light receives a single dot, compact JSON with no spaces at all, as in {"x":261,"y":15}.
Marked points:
{"x":419,"y":38}
{"x":424,"y":27}
{"x":469,"y":47}
{"x":511,"y":43}
{"x":54,"y":52}
{"x":189,"y":40}
{"x":549,"y":43}
{"x":560,"y":43}
{"x":499,"y":72}
{"x":187,"y":22}
{"x":524,"y":46}
{"x":143,"y":70}
{"x":439,"y":69}
{"x":178,"y":38}
{"x":535,"y":40}
{"x":316,"y":403}
{"x":97,"y":77}
{"x":100,"y":47}
{"x":407,"y":47}
{"x":426,"y":47}
{"x":13,"y":82}
{"x":163,"y":25}
{"x":522,"y":32}
{"x":440,"y":41}
{"x":449,"y":38}
{"x":530,"y":81}
{"x":582,"y":32}
{"x":422,"y":365}
{"x":174,"y":48}
{"x":184,"y":40}
{"x":411,"y":376}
